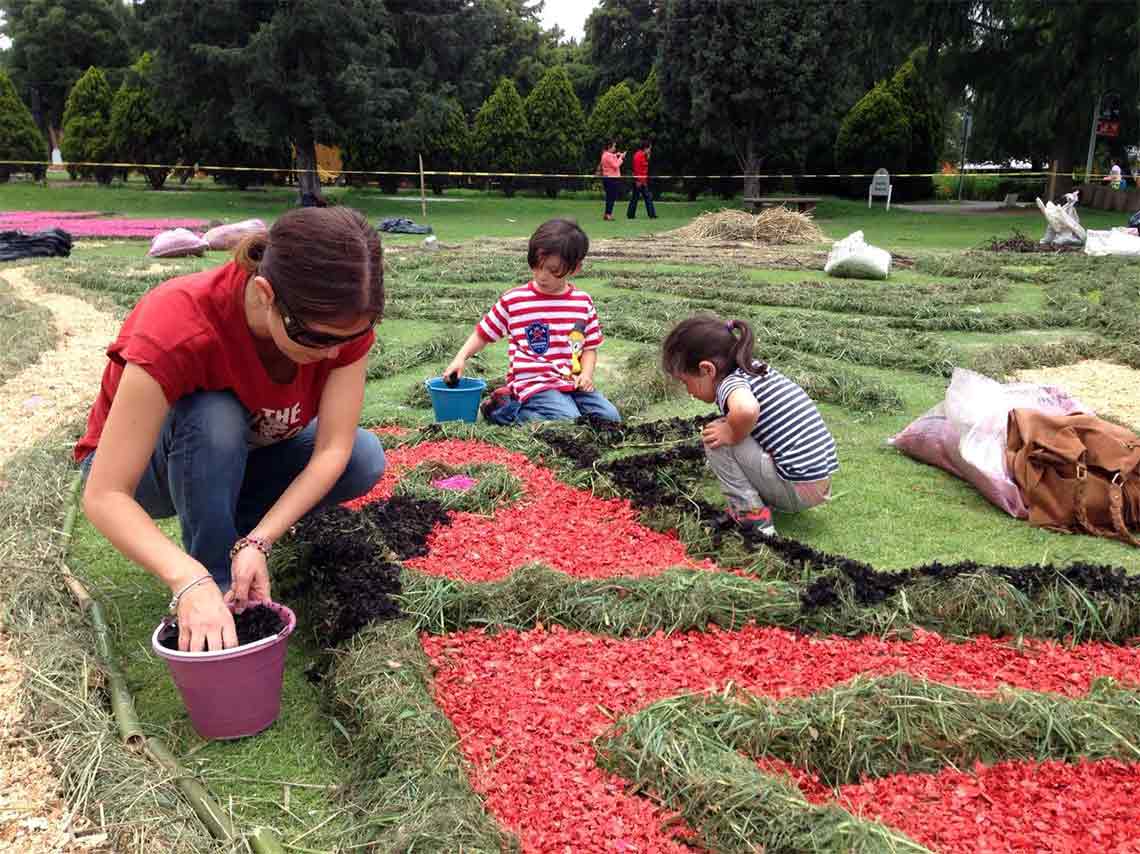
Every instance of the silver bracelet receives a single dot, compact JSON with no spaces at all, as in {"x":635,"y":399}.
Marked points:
{"x":174,"y":599}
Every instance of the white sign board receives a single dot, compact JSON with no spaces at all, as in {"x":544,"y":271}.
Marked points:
{"x":880,"y":186}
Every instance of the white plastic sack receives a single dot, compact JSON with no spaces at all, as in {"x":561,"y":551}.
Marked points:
{"x":853,"y":258}
{"x":229,"y":236}
{"x":176,"y":243}
{"x":1063,"y":226}
{"x":1118,"y":241}
{"x":966,"y":433}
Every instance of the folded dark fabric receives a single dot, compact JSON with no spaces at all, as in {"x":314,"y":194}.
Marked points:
{"x":402,"y":225}
{"x":52,"y":243}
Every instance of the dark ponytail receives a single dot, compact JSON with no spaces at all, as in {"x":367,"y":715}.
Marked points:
{"x":708,"y":338}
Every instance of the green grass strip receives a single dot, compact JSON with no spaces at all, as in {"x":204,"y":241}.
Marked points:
{"x":671,"y":752}
{"x":410,"y":789}
{"x":495,"y":486}
{"x":27,"y":330}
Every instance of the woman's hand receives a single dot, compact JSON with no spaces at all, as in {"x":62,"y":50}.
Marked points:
{"x":204,"y":621}
{"x":717,"y":434}
{"x":250,"y":573}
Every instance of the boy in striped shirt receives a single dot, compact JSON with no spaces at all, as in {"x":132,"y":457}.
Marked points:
{"x":553,"y":335}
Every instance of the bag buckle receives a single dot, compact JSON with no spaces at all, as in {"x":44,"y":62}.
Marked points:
{"x":1118,"y":479}
{"x":1082,"y":471}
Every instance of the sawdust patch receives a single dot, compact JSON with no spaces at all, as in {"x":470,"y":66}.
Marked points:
{"x":1112,"y":390}
{"x":62,"y":385}
{"x":33,"y":817}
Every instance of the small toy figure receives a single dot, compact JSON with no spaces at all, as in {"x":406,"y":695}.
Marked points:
{"x":577,"y":338}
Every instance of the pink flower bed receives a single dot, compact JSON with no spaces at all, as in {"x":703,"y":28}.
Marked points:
{"x":92,"y":223}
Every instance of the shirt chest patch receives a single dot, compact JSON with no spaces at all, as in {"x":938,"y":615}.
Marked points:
{"x":538,"y":336}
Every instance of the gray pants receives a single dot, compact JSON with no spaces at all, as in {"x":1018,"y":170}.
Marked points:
{"x":749,"y":480}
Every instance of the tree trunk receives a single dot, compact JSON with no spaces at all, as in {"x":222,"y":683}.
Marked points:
{"x":308,"y":184}
{"x":750,"y":164}
{"x":156,"y":177}
{"x":1063,"y":181}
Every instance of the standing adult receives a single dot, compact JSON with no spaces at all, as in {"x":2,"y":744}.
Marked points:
{"x":231,"y":401}
{"x":641,"y":181}
{"x":611,"y":175}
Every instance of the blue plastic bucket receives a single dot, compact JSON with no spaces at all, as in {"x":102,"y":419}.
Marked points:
{"x":458,"y":403}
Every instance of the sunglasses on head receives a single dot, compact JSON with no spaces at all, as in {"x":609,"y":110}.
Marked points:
{"x":303,"y":336}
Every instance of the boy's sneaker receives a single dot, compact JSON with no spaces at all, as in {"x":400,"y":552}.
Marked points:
{"x":756,"y":522}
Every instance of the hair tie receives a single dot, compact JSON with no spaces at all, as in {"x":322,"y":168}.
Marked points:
{"x":730,"y":326}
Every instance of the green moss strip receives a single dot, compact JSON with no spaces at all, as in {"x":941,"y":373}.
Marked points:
{"x":410,"y":788}
{"x":695,"y":753}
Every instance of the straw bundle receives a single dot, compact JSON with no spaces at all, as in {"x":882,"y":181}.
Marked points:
{"x":774,"y":225}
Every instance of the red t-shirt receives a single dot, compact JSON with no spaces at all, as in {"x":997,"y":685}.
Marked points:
{"x":641,"y":166}
{"x":191,"y":335}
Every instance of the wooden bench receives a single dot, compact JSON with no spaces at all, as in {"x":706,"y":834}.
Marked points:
{"x":802,"y":203}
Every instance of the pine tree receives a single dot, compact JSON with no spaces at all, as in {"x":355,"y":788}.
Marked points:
{"x":439,"y":131}
{"x":87,"y":125}
{"x":501,"y":133}
{"x":614,"y":117}
{"x":20,"y":139}
{"x":875,"y":134}
{"x":915,"y":89}
{"x":557,"y":126}
{"x":140,"y":131}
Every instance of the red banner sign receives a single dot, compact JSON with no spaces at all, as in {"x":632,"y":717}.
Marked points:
{"x":1108,"y":127}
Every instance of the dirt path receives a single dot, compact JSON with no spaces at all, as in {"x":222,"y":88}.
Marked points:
{"x":61,"y":386}
{"x":33,"y":403}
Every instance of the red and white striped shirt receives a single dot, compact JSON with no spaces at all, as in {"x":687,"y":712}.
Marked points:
{"x":538,"y":327}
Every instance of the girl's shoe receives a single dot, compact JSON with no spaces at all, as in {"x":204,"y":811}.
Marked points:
{"x":757,"y":522}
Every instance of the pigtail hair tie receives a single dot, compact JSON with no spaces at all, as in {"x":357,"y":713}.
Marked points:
{"x":730,"y":326}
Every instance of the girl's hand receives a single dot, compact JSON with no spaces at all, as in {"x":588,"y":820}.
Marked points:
{"x":584,"y":382}
{"x":717,"y":434}
{"x":204,"y":621}
{"x":250,"y":572}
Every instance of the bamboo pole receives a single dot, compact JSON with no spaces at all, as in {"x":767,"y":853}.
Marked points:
{"x":261,"y":840}
{"x":423,"y":192}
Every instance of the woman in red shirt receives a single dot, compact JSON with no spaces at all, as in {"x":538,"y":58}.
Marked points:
{"x":610,"y":167}
{"x":231,"y":401}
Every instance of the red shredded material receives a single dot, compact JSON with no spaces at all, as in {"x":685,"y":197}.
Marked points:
{"x":566,"y":528}
{"x":527,"y":705}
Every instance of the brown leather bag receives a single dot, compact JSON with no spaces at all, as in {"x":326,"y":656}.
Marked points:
{"x":1076,"y":472}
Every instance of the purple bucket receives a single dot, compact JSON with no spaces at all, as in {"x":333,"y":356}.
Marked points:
{"x":235,"y":692}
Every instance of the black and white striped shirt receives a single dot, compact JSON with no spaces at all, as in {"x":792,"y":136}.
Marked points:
{"x":789,"y":427}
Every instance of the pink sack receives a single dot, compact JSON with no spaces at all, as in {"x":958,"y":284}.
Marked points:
{"x":229,"y":236}
{"x":965,"y":434}
{"x":176,"y":243}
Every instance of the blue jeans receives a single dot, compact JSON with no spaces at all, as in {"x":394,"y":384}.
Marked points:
{"x":203,"y":471}
{"x":566,"y":406}
{"x":641,"y":191}
{"x":612,"y":186}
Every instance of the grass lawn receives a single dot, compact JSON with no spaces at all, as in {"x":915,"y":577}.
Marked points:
{"x":876,"y":355}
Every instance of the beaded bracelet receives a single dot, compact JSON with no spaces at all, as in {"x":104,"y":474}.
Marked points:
{"x":262,"y":545}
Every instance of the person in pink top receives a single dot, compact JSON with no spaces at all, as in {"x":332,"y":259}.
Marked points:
{"x":611,"y":175}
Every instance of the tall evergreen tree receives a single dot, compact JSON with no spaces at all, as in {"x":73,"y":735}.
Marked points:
{"x":614,"y":117}
{"x":557,"y":126}
{"x":501,"y":133}
{"x":87,"y":125}
{"x":20,"y":139}
{"x":53,"y":43}
{"x":141,"y":132}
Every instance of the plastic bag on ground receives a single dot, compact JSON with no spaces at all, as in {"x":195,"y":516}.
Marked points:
{"x":176,"y":243}
{"x":966,"y":433}
{"x":853,"y":258}
{"x":225,"y":237}
{"x":1063,"y":226}
{"x":1118,"y":241}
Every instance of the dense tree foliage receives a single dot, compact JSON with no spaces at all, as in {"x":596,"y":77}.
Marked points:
{"x":87,"y":125}
{"x":614,"y":118}
{"x":54,"y":42}
{"x":141,"y":131}
{"x":20,"y":139}
{"x":501,"y":133}
{"x":557,"y":126}
{"x":622,"y":40}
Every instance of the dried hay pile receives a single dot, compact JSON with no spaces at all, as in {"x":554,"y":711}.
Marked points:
{"x":772,"y":226}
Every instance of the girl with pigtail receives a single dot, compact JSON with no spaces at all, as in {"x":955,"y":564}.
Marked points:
{"x":770,"y":449}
